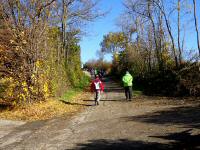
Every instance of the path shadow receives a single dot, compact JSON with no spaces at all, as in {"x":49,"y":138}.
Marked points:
{"x":5,"y":107}
{"x":183,"y":140}
{"x":89,"y":100}
{"x":121,"y":144}
{"x":188,"y":117}
{"x":177,"y":141}
{"x":79,"y":104}
{"x":114,"y":100}
{"x":109,"y":100}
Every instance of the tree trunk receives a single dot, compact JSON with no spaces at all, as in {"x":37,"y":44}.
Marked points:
{"x":63,"y":28}
{"x":196,"y":25}
{"x":179,"y":45}
{"x":154,"y":33}
{"x":171,"y":37}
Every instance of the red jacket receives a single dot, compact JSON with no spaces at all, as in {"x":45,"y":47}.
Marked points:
{"x":97,"y":85}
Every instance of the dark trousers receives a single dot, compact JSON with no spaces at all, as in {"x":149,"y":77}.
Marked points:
{"x":97,"y":95}
{"x":128,"y":92}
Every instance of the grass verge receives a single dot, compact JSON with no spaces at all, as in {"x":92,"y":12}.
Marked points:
{"x":137,"y":93}
{"x":70,"y":94}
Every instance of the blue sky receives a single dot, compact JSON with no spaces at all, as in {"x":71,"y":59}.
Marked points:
{"x":95,"y":31}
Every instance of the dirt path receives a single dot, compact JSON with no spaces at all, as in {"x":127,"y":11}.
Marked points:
{"x":144,"y":123}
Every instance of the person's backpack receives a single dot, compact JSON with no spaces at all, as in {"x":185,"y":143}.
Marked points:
{"x":97,"y":85}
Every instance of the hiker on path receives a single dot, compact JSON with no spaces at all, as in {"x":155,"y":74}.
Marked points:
{"x":97,"y":87}
{"x":127,"y":81}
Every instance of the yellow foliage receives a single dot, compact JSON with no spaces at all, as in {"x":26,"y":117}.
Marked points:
{"x":21,"y":97}
{"x":167,"y":58}
{"x":33,"y":76}
{"x":116,"y":57}
{"x":10,"y":92}
{"x":11,"y":85}
{"x":46,"y":90}
{"x":24,"y":84}
{"x":38,"y":64}
{"x":44,"y":109}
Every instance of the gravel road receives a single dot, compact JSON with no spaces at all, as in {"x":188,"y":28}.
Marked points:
{"x":143,"y":123}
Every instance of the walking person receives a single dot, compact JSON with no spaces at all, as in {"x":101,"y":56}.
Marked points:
{"x":97,"y":87}
{"x":127,"y":81}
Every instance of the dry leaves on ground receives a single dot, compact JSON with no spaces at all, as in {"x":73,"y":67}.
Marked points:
{"x":45,"y":109}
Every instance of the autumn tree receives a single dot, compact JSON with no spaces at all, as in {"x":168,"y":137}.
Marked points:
{"x":39,"y":46}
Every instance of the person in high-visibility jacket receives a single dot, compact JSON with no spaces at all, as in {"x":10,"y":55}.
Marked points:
{"x":128,"y":83}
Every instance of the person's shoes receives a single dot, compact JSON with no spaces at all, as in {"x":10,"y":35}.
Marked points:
{"x":130,"y":99}
{"x":97,"y":103}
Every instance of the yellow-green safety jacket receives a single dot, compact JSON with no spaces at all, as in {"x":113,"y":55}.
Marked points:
{"x":127,"y":79}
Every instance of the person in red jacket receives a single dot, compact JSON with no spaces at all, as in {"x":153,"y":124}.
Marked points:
{"x":97,"y":87}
